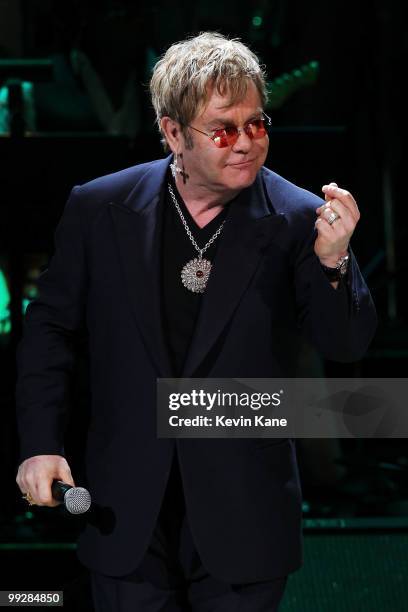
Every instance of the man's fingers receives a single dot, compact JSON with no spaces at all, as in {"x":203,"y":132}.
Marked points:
{"x":45,"y":483}
{"x":347,"y":220}
{"x":44,"y":493}
{"x":39,"y":487}
{"x":326,"y":196}
{"x":35,"y":476}
{"x":66,"y":476}
{"x":344,"y":196}
{"x":323,"y":228}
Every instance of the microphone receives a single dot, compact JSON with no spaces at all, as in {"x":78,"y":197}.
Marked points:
{"x":76,"y":500}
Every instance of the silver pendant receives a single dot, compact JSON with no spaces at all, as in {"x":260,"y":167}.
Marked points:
{"x":195,"y":274}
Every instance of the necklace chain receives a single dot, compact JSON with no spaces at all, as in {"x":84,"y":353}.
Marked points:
{"x":188,"y":231}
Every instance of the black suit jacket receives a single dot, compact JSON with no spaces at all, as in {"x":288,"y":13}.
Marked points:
{"x":242,"y":495}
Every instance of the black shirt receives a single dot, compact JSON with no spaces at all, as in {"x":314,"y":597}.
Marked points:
{"x":180,"y":305}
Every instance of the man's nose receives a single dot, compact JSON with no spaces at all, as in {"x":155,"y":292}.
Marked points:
{"x":243,"y":143}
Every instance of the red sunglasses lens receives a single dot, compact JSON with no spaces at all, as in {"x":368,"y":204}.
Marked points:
{"x":228,"y":136}
{"x":225,"y":137}
{"x":257,"y":128}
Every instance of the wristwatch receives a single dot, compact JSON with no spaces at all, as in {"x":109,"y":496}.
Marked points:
{"x":339,"y":271}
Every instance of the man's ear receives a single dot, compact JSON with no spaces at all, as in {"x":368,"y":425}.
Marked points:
{"x":172,"y":133}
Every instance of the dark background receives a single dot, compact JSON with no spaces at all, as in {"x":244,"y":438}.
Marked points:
{"x":336,"y":72}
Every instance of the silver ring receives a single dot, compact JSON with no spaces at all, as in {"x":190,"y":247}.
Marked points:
{"x":332,"y":218}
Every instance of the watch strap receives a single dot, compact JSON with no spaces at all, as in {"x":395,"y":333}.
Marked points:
{"x":339,"y":271}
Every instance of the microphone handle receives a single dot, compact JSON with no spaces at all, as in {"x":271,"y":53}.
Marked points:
{"x":58,"y":490}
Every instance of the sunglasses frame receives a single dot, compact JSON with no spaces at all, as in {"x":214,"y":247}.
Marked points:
{"x":212,"y":135}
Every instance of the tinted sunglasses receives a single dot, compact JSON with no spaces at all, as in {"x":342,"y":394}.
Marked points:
{"x":228,"y":136}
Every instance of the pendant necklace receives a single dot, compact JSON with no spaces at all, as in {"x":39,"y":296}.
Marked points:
{"x":196,"y":272}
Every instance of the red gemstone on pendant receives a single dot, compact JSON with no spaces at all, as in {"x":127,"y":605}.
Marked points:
{"x":199,"y":274}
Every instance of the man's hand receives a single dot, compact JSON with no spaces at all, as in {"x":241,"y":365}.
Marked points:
{"x":35,"y":476}
{"x":333,"y":240}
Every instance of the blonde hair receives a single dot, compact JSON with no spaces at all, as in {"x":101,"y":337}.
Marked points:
{"x":185,"y":75}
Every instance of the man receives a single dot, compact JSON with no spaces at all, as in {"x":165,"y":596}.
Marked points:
{"x":204,"y":264}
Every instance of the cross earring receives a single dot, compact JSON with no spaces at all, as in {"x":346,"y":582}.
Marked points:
{"x":175,"y":168}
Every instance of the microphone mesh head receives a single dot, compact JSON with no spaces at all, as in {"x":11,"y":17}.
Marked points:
{"x":77,"y":500}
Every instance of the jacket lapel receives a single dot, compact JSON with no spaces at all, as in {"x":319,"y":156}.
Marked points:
{"x":138,"y":225}
{"x":249,"y":229}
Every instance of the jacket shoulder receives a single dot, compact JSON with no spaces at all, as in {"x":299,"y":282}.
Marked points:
{"x":117,"y":185}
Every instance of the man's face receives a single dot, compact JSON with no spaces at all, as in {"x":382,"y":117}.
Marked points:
{"x":229,"y":169}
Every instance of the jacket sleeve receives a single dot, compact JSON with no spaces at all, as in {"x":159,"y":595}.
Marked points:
{"x":46,"y":352}
{"x":339,"y":322}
